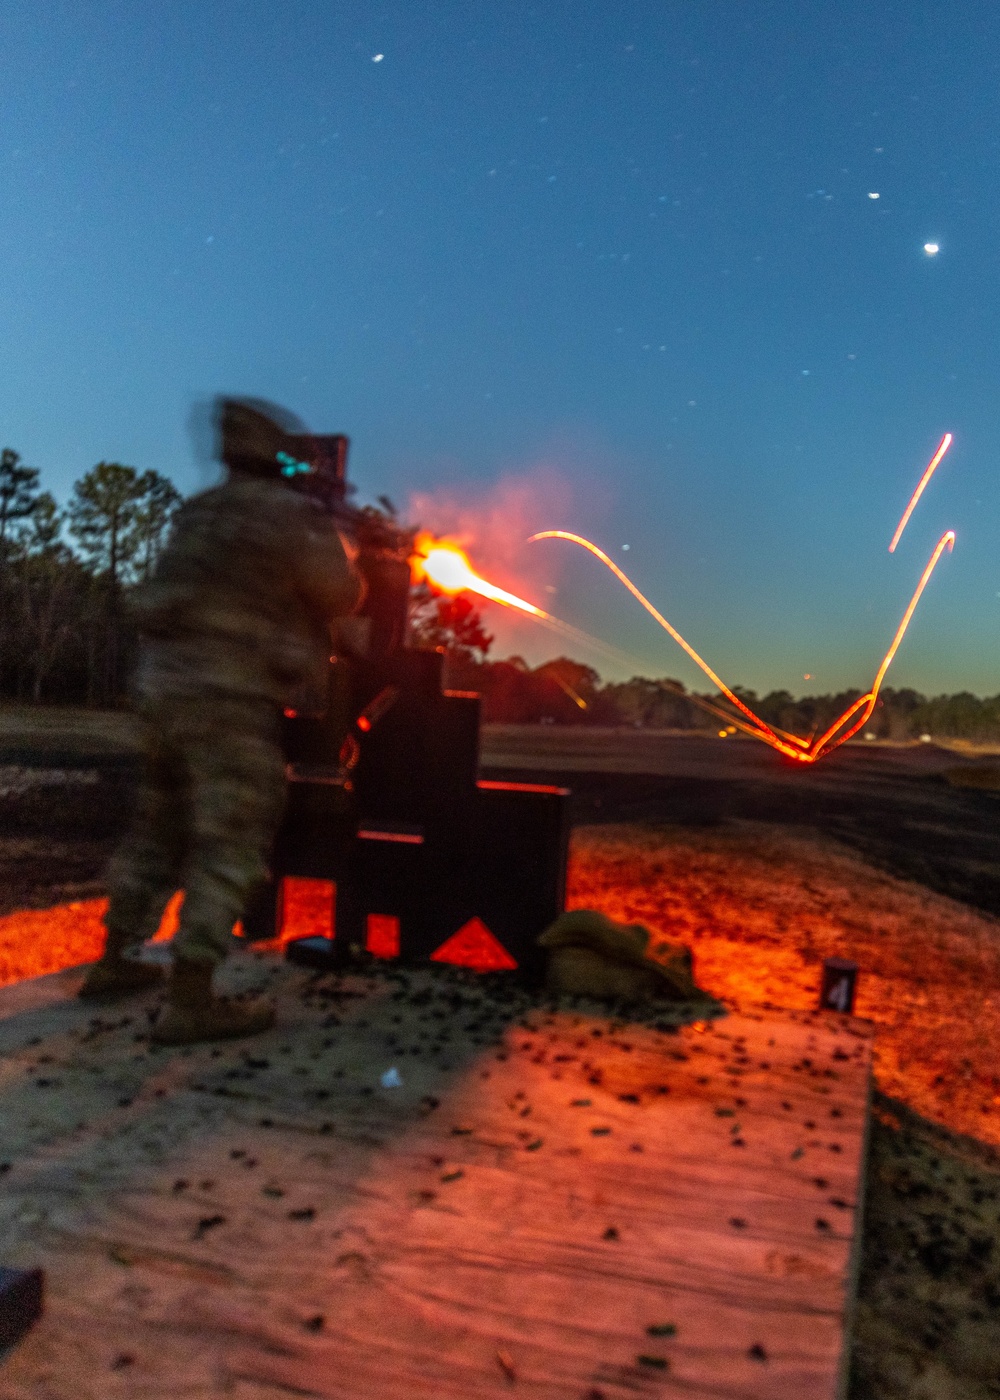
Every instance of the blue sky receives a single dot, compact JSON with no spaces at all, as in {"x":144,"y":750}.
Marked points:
{"x":607,"y":267}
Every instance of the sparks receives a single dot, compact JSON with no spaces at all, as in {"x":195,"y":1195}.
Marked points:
{"x":445,"y":565}
{"x":755,"y":720}
{"x":802,"y":750}
{"x":447,"y":568}
{"x":932,"y":466}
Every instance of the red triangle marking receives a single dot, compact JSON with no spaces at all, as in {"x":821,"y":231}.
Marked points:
{"x":474,"y":946}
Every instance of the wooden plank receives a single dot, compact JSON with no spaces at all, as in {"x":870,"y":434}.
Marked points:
{"x":265,"y":1219}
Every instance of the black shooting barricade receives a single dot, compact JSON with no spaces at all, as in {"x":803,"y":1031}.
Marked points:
{"x":384,"y":803}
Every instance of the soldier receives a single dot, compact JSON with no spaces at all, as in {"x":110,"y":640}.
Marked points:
{"x":234,"y":621}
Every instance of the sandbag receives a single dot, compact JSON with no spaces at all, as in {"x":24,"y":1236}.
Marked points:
{"x":592,"y":955}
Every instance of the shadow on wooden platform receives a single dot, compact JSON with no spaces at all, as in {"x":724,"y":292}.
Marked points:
{"x":549,"y":1203}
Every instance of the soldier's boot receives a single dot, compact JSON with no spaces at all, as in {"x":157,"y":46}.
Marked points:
{"x":194,"y":1013}
{"x":114,"y":976}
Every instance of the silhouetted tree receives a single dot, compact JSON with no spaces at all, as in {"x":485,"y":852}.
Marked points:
{"x":450,"y":622}
{"x":646,"y":704}
{"x":568,"y":689}
{"x":119,"y":518}
{"x":18,"y":491}
{"x":158,"y":501}
{"x":51,"y":583}
{"x":18,"y":497}
{"x":103,"y":512}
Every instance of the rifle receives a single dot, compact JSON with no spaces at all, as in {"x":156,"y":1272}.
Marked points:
{"x":316,"y":465}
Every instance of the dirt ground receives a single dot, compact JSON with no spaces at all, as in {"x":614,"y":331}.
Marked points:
{"x":761,"y":906}
{"x":761,"y":901}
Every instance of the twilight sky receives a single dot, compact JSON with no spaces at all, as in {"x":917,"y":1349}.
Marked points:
{"x":610,"y":267}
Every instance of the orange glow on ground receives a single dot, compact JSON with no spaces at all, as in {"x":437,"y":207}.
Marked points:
{"x":760,"y":906}
{"x":34,"y":942}
{"x":171,"y":918}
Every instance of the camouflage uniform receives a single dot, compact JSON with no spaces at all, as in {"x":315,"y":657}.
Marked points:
{"x":235,"y":622}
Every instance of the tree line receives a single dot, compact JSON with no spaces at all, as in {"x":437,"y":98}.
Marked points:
{"x":564,"y":691}
{"x":567,"y":692}
{"x":65,"y":638}
{"x":64,"y":573}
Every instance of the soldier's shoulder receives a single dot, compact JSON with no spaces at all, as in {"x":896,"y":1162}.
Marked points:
{"x":247,"y":495}
{"x":272,"y":494}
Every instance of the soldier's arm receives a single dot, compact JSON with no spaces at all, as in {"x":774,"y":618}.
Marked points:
{"x":160,"y":602}
{"x":327,"y":580}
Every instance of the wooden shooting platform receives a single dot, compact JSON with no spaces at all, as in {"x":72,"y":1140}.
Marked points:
{"x":547,"y":1204}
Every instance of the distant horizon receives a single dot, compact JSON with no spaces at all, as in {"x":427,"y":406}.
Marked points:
{"x":738,"y":686}
{"x":212,"y":472}
{"x":708,"y":294}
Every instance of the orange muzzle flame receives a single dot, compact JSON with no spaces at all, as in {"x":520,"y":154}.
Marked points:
{"x":447,"y":567}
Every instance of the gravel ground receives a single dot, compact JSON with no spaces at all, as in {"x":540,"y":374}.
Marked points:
{"x":761,"y":904}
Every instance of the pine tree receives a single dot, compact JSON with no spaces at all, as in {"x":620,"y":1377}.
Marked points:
{"x":18,"y":492}
{"x":18,"y":497}
{"x":119,"y":518}
{"x":50,"y":579}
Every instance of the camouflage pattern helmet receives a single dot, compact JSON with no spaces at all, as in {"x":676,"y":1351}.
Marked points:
{"x":251,"y":434}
